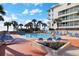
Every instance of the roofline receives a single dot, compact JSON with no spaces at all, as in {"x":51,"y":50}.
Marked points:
{"x":54,"y":6}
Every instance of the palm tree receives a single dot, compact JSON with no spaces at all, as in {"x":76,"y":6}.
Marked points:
{"x":1,"y":18}
{"x":34,"y":23}
{"x":20,"y":26}
{"x":39,"y":23}
{"x":44,"y":25}
{"x":7,"y":24}
{"x":1,"y":12}
{"x":26,"y":25}
{"x":15,"y":25}
{"x":30,"y":24}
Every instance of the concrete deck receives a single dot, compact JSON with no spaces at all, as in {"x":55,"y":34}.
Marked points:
{"x":22,"y":47}
{"x":74,"y":40}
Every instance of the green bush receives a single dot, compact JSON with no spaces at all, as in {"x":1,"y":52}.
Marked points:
{"x":53,"y":45}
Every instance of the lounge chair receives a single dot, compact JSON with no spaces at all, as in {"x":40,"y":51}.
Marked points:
{"x":49,"y":39}
{"x":41,"y":39}
{"x":69,"y":34}
{"x":58,"y":33}
{"x":76,"y":34}
{"x":58,"y":38}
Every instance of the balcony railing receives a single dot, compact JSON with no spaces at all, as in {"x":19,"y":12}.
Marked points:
{"x":70,"y":20}
{"x":69,"y":26}
{"x":75,"y":12}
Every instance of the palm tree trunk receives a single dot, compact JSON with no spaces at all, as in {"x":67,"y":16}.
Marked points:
{"x":34,"y":25}
{"x":7,"y":28}
{"x":21,"y":27}
{"x":44,"y":28}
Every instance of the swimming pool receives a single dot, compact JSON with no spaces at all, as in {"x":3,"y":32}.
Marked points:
{"x":37,"y":35}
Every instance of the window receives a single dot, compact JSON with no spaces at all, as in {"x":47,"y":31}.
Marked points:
{"x":67,"y":10}
{"x":60,"y":13}
{"x":67,"y":23}
{"x":71,"y":23}
{"x":71,"y":9}
{"x":70,"y":17}
{"x":75,"y":23}
{"x":67,"y":17}
{"x":76,"y":8}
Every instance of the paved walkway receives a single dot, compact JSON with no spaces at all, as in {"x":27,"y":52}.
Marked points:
{"x":69,"y":51}
{"x":74,"y":40}
{"x":30,"y":48}
{"x":22,"y":49}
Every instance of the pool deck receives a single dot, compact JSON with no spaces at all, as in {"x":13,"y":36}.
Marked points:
{"x":74,"y":40}
{"x":21,"y":47}
{"x":29,"y":48}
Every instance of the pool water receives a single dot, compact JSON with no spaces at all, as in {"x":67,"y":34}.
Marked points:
{"x":37,"y":35}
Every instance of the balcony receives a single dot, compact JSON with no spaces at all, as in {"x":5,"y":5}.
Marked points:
{"x":50,"y":13}
{"x":69,"y":26}
{"x":75,"y":12}
{"x":70,"y":20}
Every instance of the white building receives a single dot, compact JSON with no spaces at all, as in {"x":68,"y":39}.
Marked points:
{"x":66,"y":16}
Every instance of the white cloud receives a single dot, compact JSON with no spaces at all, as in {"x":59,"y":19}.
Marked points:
{"x":10,"y":18}
{"x":36,"y":4}
{"x":20,"y":21}
{"x":34,"y":11}
{"x":14,"y":3}
{"x":25,"y":11}
{"x":6,"y":11}
{"x":44,"y":20}
{"x":7,"y":18}
{"x":24,"y":21}
{"x":31,"y":12}
{"x":2,"y":27}
{"x":13,"y":16}
{"x":28,"y":21}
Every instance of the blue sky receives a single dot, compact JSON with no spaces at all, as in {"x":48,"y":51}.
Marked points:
{"x":25,"y":12}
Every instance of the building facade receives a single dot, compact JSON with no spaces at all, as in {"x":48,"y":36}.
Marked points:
{"x":66,"y":16}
